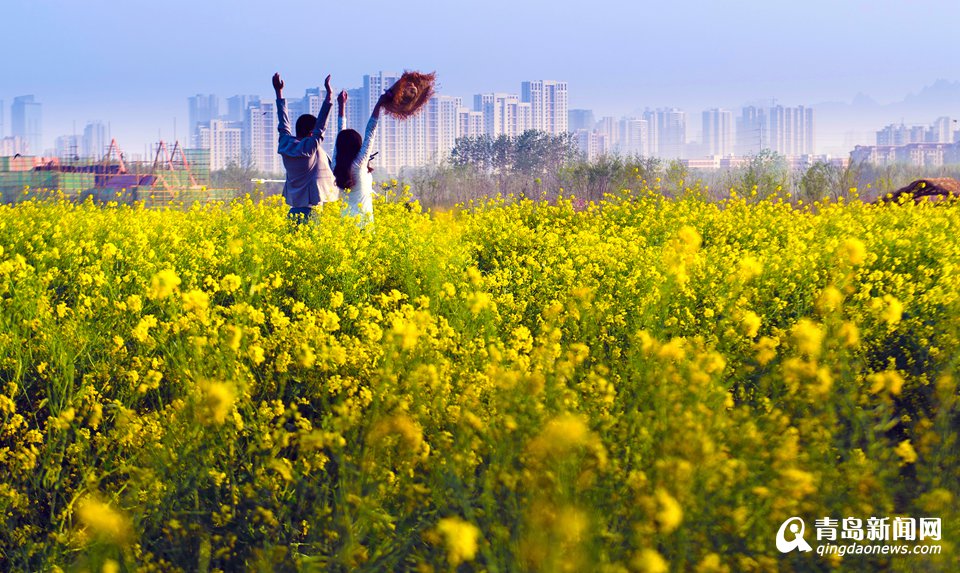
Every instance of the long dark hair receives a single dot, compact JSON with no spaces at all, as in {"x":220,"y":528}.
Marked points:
{"x":348,"y":146}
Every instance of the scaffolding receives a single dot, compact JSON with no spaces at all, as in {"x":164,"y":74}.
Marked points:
{"x":175,"y":174}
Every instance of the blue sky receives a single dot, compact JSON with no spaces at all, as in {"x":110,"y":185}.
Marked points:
{"x":133,"y":64}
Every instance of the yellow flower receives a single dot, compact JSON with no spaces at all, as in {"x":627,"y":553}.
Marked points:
{"x":307,"y":356}
{"x":893,"y":311}
{"x":849,"y":334}
{"x":749,"y":268}
{"x":108,"y":251}
{"x":164,"y":283}
{"x":853,"y":251}
{"x":801,"y":483}
{"x":195,"y":301}
{"x":66,"y":418}
{"x":906,"y":452}
{"x":830,"y":299}
{"x":669,"y":514}
{"x":712,"y":564}
{"x":750,"y":322}
{"x":650,"y":561}
{"x":103,"y":521}
{"x":142,"y":331}
{"x":134,"y":303}
{"x":460,"y":539}
{"x":406,"y":332}
{"x":230,"y":282}
{"x":689,"y":238}
{"x":403,"y":427}
{"x":560,"y":436}
{"x":218,"y":399}
{"x":807,"y":336}
{"x":889,"y":380}
{"x":766,"y":349}
{"x":480,"y":301}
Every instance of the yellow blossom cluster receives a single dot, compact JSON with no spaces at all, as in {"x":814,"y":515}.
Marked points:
{"x":639,"y":384}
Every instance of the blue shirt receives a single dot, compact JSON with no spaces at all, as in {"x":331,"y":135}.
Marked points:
{"x":309,"y":178}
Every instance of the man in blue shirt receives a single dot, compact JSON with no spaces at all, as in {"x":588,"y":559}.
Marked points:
{"x":309,"y":178}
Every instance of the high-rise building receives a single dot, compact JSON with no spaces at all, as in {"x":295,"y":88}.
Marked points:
{"x":441,"y":118}
{"x":718,"y":132}
{"x":548,"y":103}
{"x":894,"y":135}
{"x":751,"y":131}
{"x":356,"y":115}
{"x":791,"y":130}
{"x":237,"y":106}
{"x":201,"y":109}
{"x":581,"y":119}
{"x":589,"y":143}
{"x":259,"y":137}
{"x":224,"y":142}
{"x":634,"y":137}
{"x":941,"y":131}
{"x":390,"y":132}
{"x":503,"y":114}
{"x":94,"y":142}
{"x":25,"y":123}
{"x":609,"y":128}
{"x":918,"y":133}
{"x":12,"y":145}
{"x":67,"y":147}
{"x":667,"y":128}
{"x":492,"y":119}
{"x":524,"y":117}
{"x":470,"y":123}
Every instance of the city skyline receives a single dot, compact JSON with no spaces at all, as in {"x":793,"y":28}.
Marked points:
{"x":244,"y":126}
{"x":618,"y":57}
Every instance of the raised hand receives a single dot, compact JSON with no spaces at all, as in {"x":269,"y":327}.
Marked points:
{"x":384,"y":98}
{"x":342,"y":98}
{"x":326,"y":84}
{"x":277,"y":83}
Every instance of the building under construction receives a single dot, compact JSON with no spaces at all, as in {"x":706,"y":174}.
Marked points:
{"x":175,"y":174}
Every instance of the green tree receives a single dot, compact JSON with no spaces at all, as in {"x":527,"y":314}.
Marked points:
{"x":766,"y":173}
{"x":820,"y":181}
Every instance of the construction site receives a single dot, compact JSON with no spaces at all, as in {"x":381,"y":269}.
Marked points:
{"x":175,"y":175}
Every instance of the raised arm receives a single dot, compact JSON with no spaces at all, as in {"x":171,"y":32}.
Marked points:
{"x":321,"y":124}
{"x":341,"y":109}
{"x":370,"y":136}
{"x":308,"y":145}
{"x":282,"y":117}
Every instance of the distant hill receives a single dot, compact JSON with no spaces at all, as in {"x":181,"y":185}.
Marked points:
{"x":842,"y":125}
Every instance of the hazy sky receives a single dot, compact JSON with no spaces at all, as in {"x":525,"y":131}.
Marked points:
{"x":134,"y":63}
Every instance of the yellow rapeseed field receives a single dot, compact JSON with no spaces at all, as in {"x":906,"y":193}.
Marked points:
{"x":639,"y":385}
